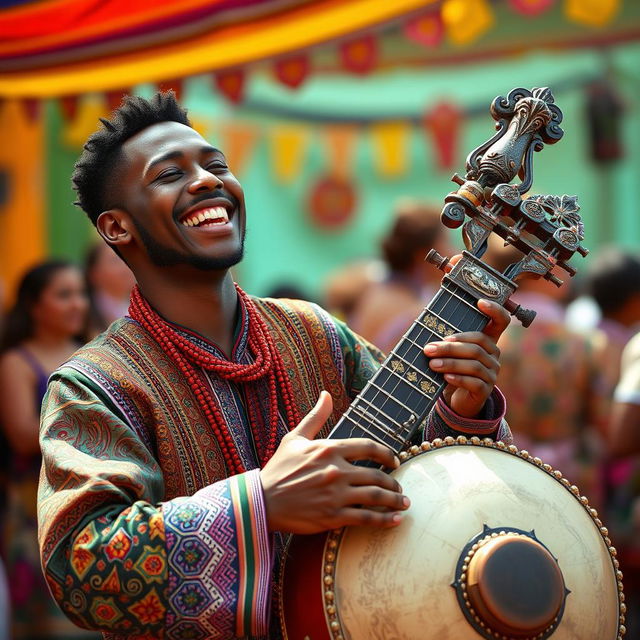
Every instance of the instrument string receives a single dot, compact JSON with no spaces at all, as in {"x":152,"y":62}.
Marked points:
{"x":451,"y":307}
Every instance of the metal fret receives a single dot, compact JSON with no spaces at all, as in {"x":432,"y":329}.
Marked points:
{"x":455,"y":295}
{"x":375,"y":422}
{"x":393,"y":421}
{"x":393,"y":354}
{"x":386,"y":393}
{"x":375,"y":436}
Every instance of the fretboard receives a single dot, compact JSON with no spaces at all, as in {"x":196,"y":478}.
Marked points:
{"x":398,"y":398}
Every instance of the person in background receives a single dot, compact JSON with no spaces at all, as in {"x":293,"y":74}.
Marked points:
{"x":40,"y":333}
{"x":549,"y":377}
{"x":109,"y":284}
{"x":385,"y":310}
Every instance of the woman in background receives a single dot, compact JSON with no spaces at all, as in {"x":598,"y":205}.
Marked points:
{"x":40,"y":332}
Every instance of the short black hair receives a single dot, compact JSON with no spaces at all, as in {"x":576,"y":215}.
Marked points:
{"x":613,"y":277}
{"x":94,"y":168}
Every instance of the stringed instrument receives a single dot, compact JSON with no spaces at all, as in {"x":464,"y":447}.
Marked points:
{"x":496,"y":543}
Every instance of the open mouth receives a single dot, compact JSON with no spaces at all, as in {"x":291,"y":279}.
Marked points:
{"x":211,"y":216}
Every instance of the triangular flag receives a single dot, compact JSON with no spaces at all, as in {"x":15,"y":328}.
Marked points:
{"x":31,"y":108}
{"x":466,"y":20}
{"x":443,"y":122}
{"x":340,"y":142}
{"x":87,"y":120}
{"x":360,"y":55}
{"x":427,"y":29}
{"x":287,"y":147}
{"x":230,"y":83}
{"x":595,"y":13}
{"x":391,"y":141}
{"x":293,"y":70}
{"x":238,"y":141}
{"x":69,"y":106}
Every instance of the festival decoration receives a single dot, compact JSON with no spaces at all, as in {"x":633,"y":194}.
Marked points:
{"x":69,"y":106}
{"x":332,"y":202}
{"x":531,"y":7}
{"x":466,"y":20}
{"x":443,"y":122}
{"x":114,"y":98}
{"x":340,"y":142}
{"x":604,"y":115}
{"x":287,"y":146}
{"x":594,"y":13}
{"x":175,"y":84}
{"x":427,"y":30}
{"x":391,"y":141}
{"x":359,"y":56}
{"x":292,"y":71}
{"x":238,"y":141}
{"x":231,"y":83}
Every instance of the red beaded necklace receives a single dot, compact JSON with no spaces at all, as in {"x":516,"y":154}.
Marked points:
{"x":187,"y":355}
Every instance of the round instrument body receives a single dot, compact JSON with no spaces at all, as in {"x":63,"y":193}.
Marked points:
{"x":401,"y":583}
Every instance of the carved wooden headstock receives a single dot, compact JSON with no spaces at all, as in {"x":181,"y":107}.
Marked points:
{"x":547,"y":229}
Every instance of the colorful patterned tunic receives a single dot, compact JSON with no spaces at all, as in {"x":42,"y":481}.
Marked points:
{"x":143,"y":533}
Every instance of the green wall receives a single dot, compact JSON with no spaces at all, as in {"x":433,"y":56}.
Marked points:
{"x":282,"y":245}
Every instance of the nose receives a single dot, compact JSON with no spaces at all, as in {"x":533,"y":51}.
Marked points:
{"x":204,"y":180}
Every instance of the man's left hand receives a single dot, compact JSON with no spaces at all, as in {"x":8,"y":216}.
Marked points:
{"x":469,"y":362}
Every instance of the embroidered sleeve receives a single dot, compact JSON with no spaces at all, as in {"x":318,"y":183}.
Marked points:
{"x":119,"y":559}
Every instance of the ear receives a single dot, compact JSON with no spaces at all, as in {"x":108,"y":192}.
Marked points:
{"x":115,"y":226}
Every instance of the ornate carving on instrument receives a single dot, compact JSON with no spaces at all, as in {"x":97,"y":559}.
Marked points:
{"x":482,"y":281}
{"x":437,"y":326}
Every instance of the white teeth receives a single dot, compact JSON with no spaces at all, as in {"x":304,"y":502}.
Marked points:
{"x":219,"y":214}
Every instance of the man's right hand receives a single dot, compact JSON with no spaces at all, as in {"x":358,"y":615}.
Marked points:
{"x":310,"y":485}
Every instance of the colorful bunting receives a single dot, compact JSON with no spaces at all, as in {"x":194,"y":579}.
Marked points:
{"x":443,"y":122}
{"x":287,"y":148}
{"x":114,"y":98}
{"x":466,"y":20}
{"x":230,"y":83}
{"x":427,"y":30}
{"x":340,"y":141}
{"x":90,"y":110}
{"x":390,"y":140}
{"x":237,"y":142}
{"x":531,"y":7}
{"x":359,"y":56}
{"x":31,"y":108}
{"x":69,"y":106}
{"x":293,"y":70}
{"x":594,"y":13}
{"x":176,"y":84}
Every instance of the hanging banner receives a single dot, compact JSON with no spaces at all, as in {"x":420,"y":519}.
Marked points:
{"x":287,"y":146}
{"x":466,"y":20}
{"x":359,"y":56}
{"x":31,"y":108}
{"x":340,"y":142}
{"x":237,"y":142}
{"x":595,"y":13}
{"x":177,"y":84}
{"x":427,"y":30}
{"x":332,"y":202}
{"x":292,"y":71}
{"x":531,"y":7}
{"x":230,"y":83}
{"x":443,"y":123}
{"x":69,"y":107}
{"x":391,"y":143}
{"x":90,"y":110}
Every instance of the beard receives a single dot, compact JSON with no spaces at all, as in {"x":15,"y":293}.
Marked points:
{"x":163,"y":256}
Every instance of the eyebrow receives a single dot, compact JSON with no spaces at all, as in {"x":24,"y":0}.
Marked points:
{"x":173,"y":155}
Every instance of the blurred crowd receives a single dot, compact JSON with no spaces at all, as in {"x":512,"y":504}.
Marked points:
{"x":572,"y":379}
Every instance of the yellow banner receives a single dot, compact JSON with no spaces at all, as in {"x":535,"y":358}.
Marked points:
{"x":595,"y":13}
{"x":391,"y":145}
{"x":287,"y":146}
{"x":340,"y":141}
{"x":466,"y":20}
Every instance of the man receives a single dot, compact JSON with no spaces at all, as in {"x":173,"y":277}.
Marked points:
{"x":175,"y":455}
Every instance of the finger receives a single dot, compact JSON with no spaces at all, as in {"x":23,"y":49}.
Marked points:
{"x":499,"y":318}
{"x":362,"y":476}
{"x":471,"y":346}
{"x":351,"y":516}
{"x":313,"y":422}
{"x":471,"y":368}
{"x":377,"y":497}
{"x":455,"y":259}
{"x":475,"y":386}
{"x":364,"y":449}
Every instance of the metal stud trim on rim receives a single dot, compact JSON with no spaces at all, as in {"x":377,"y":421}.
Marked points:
{"x":334,"y":537}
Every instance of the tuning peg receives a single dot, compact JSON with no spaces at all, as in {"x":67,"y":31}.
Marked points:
{"x":440,"y":261}
{"x":525,"y":316}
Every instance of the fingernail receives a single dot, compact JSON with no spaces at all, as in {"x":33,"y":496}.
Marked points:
{"x":436,"y":364}
{"x":396,"y":518}
{"x":430,"y":348}
{"x":396,"y":462}
{"x":406,"y":502}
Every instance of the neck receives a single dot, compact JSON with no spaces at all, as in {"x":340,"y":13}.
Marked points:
{"x":49,"y":339}
{"x":206,"y":306}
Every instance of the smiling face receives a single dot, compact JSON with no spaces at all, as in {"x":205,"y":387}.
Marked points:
{"x":178,"y":204}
